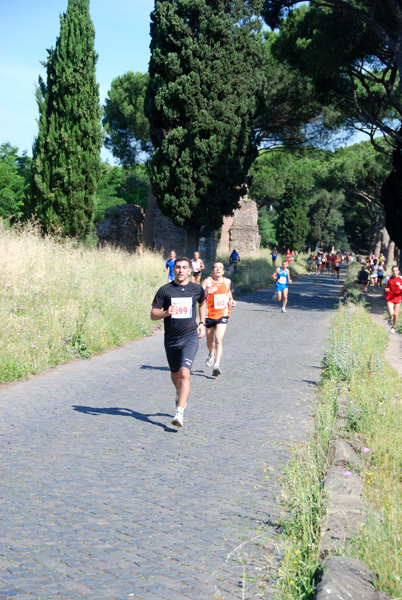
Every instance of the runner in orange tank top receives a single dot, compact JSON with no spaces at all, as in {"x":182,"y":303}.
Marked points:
{"x":219,"y":301}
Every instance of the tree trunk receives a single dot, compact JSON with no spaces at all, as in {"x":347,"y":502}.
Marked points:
{"x":148,"y":227}
{"x":391,"y":253}
{"x":385,"y":241}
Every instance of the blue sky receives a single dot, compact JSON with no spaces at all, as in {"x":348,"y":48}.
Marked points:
{"x":29,"y":27}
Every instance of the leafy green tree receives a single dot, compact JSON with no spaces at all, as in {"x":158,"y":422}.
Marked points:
{"x":349,"y":50}
{"x":293,"y":113}
{"x":342,"y":189}
{"x":283,"y":182}
{"x":127,"y":128}
{"x":360,"y":171}
{"x":326,"y":219}
{"x":66,"y":154}
{"x":14,"y":181}
{"x":107,"y":190}
{"x":135,"y":185}
{"x":293,"y":224}
{"x":120,"y":185}
{"x":267,"y":224}
{"x":206,"y":80}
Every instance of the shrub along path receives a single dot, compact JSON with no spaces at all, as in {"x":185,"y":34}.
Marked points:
{"x":104,"y":499}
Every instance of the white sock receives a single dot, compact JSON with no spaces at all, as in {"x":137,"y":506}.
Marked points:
{"x":180,"y":409}
{"x":216,"y":366}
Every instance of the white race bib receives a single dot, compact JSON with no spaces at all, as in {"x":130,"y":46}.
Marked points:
{"x":282,"y":280}
{"x":220,"y":301}
{"x":184,"y":308}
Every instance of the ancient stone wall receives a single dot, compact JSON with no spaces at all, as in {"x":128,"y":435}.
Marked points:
{"x":244,"y":236}
{"x":165,"y":234}
{"x":122,"y":227}
{"x":127,"y":227}
{"x":240,"y":231}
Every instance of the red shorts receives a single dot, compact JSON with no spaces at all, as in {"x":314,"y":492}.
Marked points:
{"x":392,"y":298}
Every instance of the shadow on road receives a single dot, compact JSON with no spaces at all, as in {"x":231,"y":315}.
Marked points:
{"x":193,"y":373}
{"x":125,"y":412}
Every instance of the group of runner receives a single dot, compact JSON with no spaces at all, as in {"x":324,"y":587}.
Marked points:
{"x":372,"y":273}
{"x":176,"y":303}
{"x":329,"y":262}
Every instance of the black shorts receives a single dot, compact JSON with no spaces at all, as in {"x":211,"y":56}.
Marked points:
{"x":213,"y":322}
{"x":196,"y":273}
{"x":337,"y":269}
{"x":181,"y":351}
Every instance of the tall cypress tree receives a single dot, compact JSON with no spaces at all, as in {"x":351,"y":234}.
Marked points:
{"x":66,"y":153}
{"x":206,"y":78}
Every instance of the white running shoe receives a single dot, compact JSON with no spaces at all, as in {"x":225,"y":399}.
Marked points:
{"x":178,"y":419}
{"x":216,"y":372}
{"x":283,"y":309}
{"x":210,"y":360}
{"x":274,"y":297}
{"x":393,"y":330}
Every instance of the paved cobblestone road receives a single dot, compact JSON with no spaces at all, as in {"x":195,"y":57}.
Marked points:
{"x":103,"y":499}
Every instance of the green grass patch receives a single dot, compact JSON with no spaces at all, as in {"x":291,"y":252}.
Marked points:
{"x":353,"y":364}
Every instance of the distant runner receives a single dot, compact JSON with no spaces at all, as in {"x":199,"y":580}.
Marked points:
{"x":281,"y":276}
{"x":234,"y":260}
{"x":197,"y":266}
{"x":176,"y":303}
{"x":219,"y":302}
{"x":170,"y":264}
{"x":393,"y":295}
{"x":336,"y":265}
{"x":274,"y":254}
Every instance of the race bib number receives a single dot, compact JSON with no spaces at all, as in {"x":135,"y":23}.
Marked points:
{"x":184,"y":308}
{"x":220,"y":301}
{"x":282,"y":280}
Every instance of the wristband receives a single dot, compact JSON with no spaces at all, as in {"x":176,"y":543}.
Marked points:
{"x":201,"y":323}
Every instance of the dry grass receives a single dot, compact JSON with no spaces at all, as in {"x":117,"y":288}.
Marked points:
{"x":61,"y":301}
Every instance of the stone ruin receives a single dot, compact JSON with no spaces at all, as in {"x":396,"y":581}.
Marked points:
{"x":240,"y":231}
{"x":122,"y":227}
{"x":127,"y":227}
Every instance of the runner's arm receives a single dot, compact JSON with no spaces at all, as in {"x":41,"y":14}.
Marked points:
{"x":274,"y":274}
{"x":230,"y":297}
{"x":203,"y":314}
{"x":158,"y":313}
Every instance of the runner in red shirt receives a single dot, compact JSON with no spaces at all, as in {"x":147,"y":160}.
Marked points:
{"x":336,"y":265}
{"x":393,"y":295}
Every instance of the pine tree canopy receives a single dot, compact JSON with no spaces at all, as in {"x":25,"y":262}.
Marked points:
{"x":66,"y":153}
{"x":206,"y":81}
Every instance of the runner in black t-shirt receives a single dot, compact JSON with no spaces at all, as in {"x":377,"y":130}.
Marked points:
{"x":176,"y":303}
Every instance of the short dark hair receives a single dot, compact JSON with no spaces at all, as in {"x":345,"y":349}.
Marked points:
{"x":183,"y":258}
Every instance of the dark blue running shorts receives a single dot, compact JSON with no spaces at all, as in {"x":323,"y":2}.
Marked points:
{"x":214,"y":322}
{"x":181,"y":351}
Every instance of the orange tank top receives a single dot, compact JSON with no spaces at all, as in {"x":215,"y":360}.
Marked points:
{"x":217,"y":294}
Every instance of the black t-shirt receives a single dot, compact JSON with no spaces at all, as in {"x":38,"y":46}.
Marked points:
{"x":186,"y":298}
